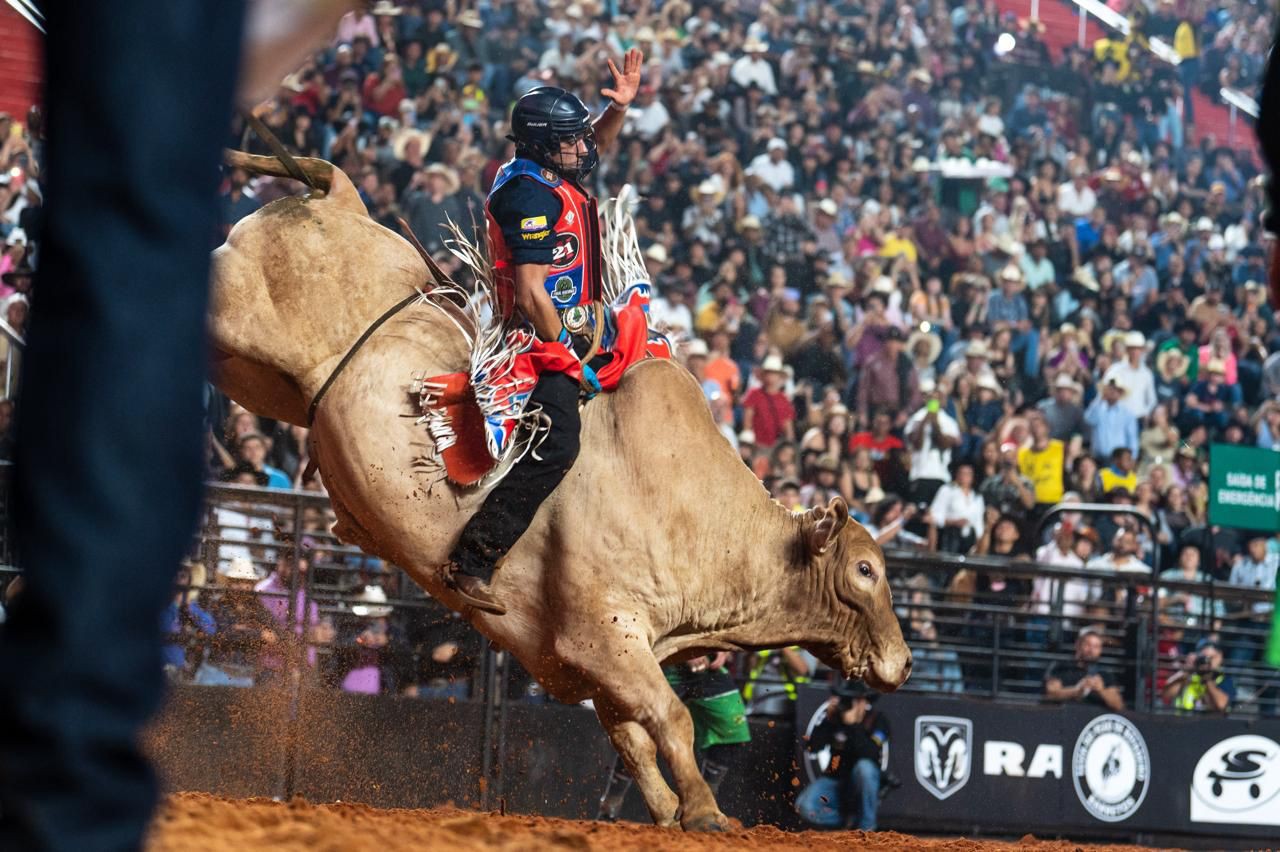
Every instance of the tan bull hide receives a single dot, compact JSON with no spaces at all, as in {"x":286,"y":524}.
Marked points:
{"x":658,"y":545}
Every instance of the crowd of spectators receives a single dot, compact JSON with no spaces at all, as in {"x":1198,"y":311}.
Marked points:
{"x":915,"y":258}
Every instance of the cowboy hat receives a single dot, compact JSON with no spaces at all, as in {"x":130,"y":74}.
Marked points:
{"x":239,"y":568}
{"x":883,"y":284}
{"x":838,"y":280}
{"x":1116,"y":384}
{"x":697,"y":348}
{"x":404,"y":135}
{"x":828,"y":207}
{"x":1215,"y":365}
{"x":976,"y":349}
{"x":657,"y":253}
{"x":988,"y":382}
{"x":1112,"y":337}
{"x":1173,"y":361}
{"x":449,"y":175}
{"x":1086,"y":279}
{"x":773,"y":364}
{"x":749,"y":222}
{"x":646,"y":33}
{"x":371,"y":603}
{"x":1065,"y":382}
{"x":875,"y":495}
{"x":385,"y":7}
{"x":746,"y":438}
{"x":931,"y":340}
{"x":1135,"y":340}
{"x":1011,"y":273}
{"x":754,"y":45}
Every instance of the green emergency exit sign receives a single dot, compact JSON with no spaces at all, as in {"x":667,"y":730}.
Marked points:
{"x":1244,"y":487}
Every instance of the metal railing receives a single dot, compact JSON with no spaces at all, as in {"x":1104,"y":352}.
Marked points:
{"x":981,"y":626}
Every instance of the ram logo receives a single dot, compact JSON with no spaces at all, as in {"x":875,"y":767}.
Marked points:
{"x":944,"y":749}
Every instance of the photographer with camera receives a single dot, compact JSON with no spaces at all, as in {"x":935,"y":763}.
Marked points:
{"x":848,"y":793}
{"x":1200,"y":684}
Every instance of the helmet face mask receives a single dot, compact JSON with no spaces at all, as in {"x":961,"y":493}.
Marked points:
{"x":547,"y":119}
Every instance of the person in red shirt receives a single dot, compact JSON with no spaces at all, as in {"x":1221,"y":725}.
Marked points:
{"x":880,"y":441}
{"x":766,"y":410}
{"x":384,"y":90}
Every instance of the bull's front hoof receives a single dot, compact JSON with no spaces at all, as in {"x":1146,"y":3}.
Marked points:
{"x":714,"y":821}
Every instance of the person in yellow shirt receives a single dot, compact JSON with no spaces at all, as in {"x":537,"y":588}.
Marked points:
{"x":899,"y":244}
{"x":1186,"y":43}
{"x":1121,"y":473}
{"x":1044,"y":463}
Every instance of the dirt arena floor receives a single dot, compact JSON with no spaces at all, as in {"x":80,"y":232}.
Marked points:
{"x":196,"y":822}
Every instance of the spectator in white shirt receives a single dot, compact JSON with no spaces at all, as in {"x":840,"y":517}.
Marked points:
{"x":647,"y":117}
{"x":1134,"y":376}
{"x":956,"y":514}
{"x":930,"y":434}
{"x":1122,"y":558}
{"x":1255,"y":568}
{"x":772,"y":167}
{"x":1075,"y":197}
{"x":669,"y":313}
{"x":754,"y":68}
{"x":1073,"y":545}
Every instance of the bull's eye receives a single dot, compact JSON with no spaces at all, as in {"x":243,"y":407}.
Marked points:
{"x":865,"y":569}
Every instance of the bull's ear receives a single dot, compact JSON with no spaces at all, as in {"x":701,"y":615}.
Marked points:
{"x":826,"y":525}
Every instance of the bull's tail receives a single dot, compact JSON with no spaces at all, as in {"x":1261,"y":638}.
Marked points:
{"x":322,"y":174}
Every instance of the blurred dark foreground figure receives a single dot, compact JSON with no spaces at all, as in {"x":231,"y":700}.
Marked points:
{"x":106,"y":483}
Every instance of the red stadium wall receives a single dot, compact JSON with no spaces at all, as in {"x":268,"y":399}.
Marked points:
{"x":20,"y":63}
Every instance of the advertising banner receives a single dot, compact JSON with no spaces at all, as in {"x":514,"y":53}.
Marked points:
{"x":1047,"y":768}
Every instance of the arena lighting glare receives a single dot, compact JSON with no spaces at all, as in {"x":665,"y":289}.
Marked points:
{"x":1005,"y":44}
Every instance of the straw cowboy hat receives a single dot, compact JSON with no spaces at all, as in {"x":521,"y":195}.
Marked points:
{"x":449,"y":175}
{"x":931,"y":340}
{"x":371,"y":603}
{"x":404,"y":135}
{"x":239,"y":568}
{"x":1172,"y":362}
{"x":773,"y":364}
{"x":469,"y":18}
{"x":1065,"y":382}
{"x":1135,"y":340}
{"x":977,"y":349}
{"x":988,"y":382}
{"x":1215,"y":365}
{"x":385,"y":7}
{"x":1111,"y":338}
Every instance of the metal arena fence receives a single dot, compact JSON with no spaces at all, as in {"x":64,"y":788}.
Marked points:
{"x":979,"y":626}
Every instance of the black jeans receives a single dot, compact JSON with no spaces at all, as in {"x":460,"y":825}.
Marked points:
{"x":511,"y":505}
{"x":106,"y":482}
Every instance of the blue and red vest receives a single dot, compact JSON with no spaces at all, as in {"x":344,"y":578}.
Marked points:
{"x":574,"y":277}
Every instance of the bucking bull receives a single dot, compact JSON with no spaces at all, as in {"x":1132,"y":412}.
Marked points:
{"x":659,"y":546}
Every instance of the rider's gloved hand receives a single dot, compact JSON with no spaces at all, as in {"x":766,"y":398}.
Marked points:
{"x":589,"y":380}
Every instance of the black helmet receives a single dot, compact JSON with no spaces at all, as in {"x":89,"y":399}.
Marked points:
{"x":546,"y":117}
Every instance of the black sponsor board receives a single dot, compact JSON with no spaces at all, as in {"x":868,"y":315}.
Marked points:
{"x":1073,"y":769}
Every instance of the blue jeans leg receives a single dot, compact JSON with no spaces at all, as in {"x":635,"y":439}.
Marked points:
{"x":819,"y":803}
{"x":866,"y":793}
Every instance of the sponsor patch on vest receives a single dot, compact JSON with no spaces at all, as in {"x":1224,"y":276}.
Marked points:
{"x":537,"y":235}
{"x":565,"y":252}
{"x":563,"y":289}
{"x":533,"y":223}
{"x":550,"y":176}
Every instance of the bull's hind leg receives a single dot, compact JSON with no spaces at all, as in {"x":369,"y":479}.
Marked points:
{"x":640,"y":755}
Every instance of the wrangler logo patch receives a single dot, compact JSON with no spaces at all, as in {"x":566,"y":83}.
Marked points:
{"x":537,"y":235}
{"x":533,"y":223}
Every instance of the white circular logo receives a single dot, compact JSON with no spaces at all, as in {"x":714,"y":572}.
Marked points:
{"x":1111,"y":768}
{"x":816,"y":762}
{"x":1237,"y":781}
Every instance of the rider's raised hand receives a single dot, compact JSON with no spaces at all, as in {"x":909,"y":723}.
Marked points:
{"x":627,"y":81}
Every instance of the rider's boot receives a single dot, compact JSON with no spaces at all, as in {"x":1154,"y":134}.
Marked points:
{"x":472,"y":590}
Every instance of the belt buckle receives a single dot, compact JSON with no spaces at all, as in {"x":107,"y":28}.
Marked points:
{"x":576,"y":319}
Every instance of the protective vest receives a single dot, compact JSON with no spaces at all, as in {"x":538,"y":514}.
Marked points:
{"x":785,"y":677}
{"x":574,"y":277}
